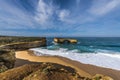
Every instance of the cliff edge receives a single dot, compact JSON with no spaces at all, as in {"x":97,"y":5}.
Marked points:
{"x":46,"y":71}
{"x":8,"y":46}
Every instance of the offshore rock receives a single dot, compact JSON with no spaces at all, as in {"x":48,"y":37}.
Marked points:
{"x":64,"y":40}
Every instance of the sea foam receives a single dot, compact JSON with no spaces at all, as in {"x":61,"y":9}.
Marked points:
{"x":103,"y":59}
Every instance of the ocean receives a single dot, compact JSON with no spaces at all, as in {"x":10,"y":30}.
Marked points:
{"x":99,"y":51}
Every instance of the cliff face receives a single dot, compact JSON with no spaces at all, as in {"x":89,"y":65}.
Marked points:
{"x":24,"y":45}
{"x":43,"y":71}
{"x":7,"y":59}
{"x":9,"y":40}
{"x":21,"y":43}
{"x":46,"y":71}
{"x":8,"y":45}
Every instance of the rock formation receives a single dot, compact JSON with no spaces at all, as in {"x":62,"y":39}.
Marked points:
{"x":43,"y":71}
{"x":64,"y":40}
{"x":13,"y":39}
{"x":7,"y":59}
{"x":101,"y":77}
{"x":21,"y":43}
{"x":8,"y":46}
{"x":46,"y":71}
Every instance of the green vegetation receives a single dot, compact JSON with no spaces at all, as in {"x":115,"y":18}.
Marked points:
{"x":3,"y":68}
{"x":14,"y":39}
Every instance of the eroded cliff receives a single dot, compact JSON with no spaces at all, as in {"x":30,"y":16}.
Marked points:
{"x":7,"y":59}
{"x":21,"y":43}
{"x":47,"y":71}
{"x":8,"y":46}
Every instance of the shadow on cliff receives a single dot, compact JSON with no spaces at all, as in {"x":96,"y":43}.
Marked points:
{"x":21,"y":62}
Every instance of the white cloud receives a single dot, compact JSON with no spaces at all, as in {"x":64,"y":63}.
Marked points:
{"x":47,"y":12}
{"x":101,"y":7}
{"x":44,"y":12}
{"x":12,"y":16}
{"x":63,"y":15}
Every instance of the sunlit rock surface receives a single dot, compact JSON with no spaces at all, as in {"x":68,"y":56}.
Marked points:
{"x":46,"y":71}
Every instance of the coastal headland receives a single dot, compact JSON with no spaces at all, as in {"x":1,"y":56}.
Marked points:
{"x":28,"y":66}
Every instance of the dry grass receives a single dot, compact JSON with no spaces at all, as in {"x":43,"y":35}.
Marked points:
{"x":44,"y":71}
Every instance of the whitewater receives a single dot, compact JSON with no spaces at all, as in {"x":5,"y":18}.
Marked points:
{"x":102,"y":59}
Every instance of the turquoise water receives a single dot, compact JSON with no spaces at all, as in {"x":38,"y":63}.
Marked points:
{"x":104,"y":52}
{"x":88,"y":44}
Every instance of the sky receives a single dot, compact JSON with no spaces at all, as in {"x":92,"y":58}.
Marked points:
{"x":81,"y":18}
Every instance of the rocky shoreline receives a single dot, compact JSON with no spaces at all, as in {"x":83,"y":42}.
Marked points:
{"x":8,"y":46}
{"x":56,"y":68}
{"x":7,"y":59}
{"x":47,"y":71}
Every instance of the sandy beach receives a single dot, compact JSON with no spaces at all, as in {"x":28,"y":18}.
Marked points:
{"x":24,"y":57}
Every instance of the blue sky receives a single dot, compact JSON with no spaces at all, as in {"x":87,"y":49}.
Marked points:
{"x":60,"y":17}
